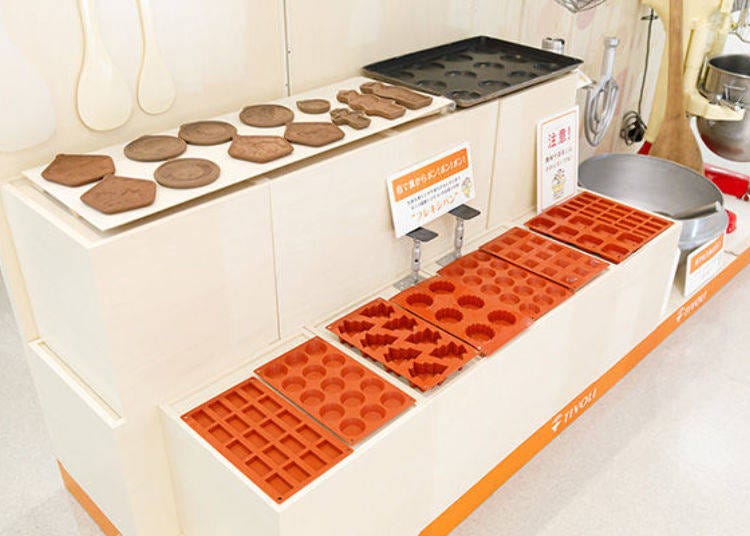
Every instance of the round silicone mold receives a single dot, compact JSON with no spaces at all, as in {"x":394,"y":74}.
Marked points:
{"x":442,"y":287}
{"x":352,"y":398}
{"x":333,"y":386}
{"x":293,"y":383}
{"x":449,"y":316}
{"x":296,"y":359}
{"x":312,"y":397}
{"x":480,"y":332}
{"x":420,"y":300}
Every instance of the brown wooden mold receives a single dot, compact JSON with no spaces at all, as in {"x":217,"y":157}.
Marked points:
{"x":259,"y":149}
{"x":371,"y":104}
{"x":266,"y":115}
{"x":120,"y":194}
{"x":155,"y":148}
{"x":78,"y":169}
{"x":404,"y":97}
{"x":186,"y":173}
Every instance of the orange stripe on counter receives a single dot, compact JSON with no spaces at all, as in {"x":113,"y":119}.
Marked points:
{"x":87,"y":504}
{"x":482,"y":490}
{"x":468,"y":502}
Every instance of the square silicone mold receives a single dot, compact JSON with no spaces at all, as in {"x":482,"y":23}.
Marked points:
{"x":270,"y":441}
{"x":562,"y":264}
{"x":601,"y":226}
{"x":475,"y":315}
{"x":512,"y":285}
{"x":347,"y":397}
{"x":403,"y":343}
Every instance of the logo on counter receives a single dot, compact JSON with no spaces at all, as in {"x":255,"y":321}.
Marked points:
{"x":570,"y":414}
{"x":689,"y":308}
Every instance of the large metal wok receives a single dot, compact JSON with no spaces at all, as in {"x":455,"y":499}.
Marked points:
{"x":660,"y":186}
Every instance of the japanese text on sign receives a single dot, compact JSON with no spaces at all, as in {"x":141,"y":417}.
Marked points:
{"x":430,"y":189}
{"x":557,"y":158}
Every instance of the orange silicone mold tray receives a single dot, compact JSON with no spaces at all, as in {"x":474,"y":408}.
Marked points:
{"x":273,"y":443}
{"x":512,"y":285}
{"x":403,"y":343}
{"x":475,"y":315}
{"x":606,"y":228}
{"x":562,"y":264}
{"x":347,"y":397}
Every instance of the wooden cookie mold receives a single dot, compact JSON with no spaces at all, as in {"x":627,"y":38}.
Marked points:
{"x":371,"y":104}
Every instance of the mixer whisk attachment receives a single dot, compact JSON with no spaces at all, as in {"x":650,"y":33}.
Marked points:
{"x":601,"y":100}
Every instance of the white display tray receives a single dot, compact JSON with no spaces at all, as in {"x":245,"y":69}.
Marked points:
{"x":233,"y":171}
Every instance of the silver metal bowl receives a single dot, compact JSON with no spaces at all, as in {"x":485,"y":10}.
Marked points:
{"x":663,"y":187}
{"x":726,"y":81}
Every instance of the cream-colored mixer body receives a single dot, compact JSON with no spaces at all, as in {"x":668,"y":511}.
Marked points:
{"x":707,"y":25}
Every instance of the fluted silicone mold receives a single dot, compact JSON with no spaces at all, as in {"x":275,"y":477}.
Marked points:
{"x":270,"y":441}
{"x":403,"y":343}
{"x":560,"y":263}
{"x":347,"y":397}
{"x":512,"y":285}
{"x":601,"y":226}
{"x":476,"y":314}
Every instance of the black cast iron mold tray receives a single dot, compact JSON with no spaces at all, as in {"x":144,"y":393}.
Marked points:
{"x":473,"y":70}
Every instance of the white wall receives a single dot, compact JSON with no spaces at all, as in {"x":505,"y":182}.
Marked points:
{"x":226,"y":53}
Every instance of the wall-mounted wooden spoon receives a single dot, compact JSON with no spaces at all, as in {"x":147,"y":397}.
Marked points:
{"x":156,"y":89}
{"x":104,"y":97}
{"x":676,"y":140}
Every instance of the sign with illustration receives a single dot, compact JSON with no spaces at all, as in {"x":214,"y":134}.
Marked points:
{"x":430,"y":189}
{"x":557,"y":158}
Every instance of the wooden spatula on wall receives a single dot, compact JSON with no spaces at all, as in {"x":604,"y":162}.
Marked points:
{"x":676,"y":140}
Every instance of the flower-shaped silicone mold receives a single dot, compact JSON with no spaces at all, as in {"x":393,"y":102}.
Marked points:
{"x":403,"y":343}
{"x":473,"y":314}
{"x":512,"y":285}
{"x":274,"y":444}
{"x":562,"y":264}
{"x":606,"y":228}
{"x":347,"y":397}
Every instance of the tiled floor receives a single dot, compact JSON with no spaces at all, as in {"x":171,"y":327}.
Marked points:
{"x":663,"y":453}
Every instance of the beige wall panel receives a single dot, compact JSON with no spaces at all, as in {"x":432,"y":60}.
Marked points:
{"x":514,"y":176}
{"x":332,"y":222}
{"x":150,"y":310}
{"x":85,"y":434}
{"x":333,"y":39}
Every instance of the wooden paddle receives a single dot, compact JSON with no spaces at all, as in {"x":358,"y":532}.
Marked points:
{"x":676,"y":140}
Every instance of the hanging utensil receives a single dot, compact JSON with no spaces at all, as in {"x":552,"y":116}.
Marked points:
{"x":675,"y":140}
{"x":28,"y":114}
{"x":576,"y":6}
{"x":103,"y":97}
{"x":601,"y":100}
{"x":156,"y":89}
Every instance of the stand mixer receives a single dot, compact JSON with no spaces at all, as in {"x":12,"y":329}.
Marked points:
{"x":708,"y":23}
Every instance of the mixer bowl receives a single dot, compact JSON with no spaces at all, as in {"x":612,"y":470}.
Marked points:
{"x":727,"y":80}
{"x":659,"y":186}
{"x":728,"y":139}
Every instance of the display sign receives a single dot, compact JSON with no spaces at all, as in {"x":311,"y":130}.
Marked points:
{"x":557,"y":158}
{"x":430,"y":189}
{"x":702,"y":265}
